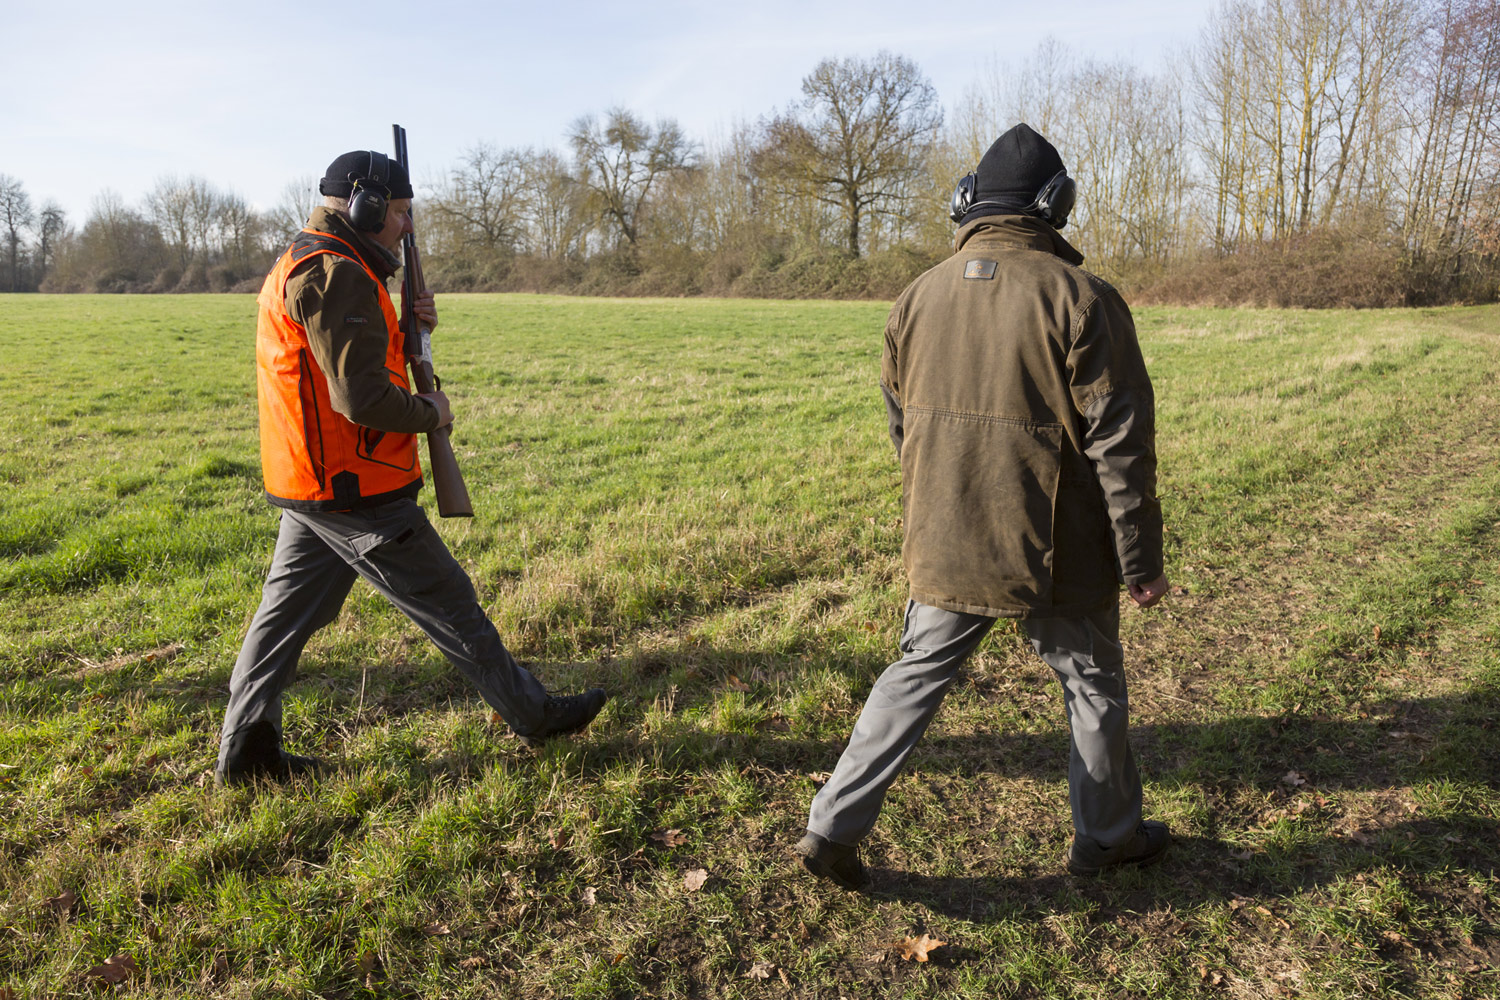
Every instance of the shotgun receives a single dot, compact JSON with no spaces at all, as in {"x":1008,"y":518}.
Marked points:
{"x":447,"y":481}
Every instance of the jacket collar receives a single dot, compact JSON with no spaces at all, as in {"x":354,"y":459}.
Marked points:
{"x":1020,"y":231}
{"x":380,"y":260}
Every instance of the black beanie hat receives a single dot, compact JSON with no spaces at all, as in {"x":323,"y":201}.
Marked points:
{"x":338,"y":179}
{"x":1012,"y":171}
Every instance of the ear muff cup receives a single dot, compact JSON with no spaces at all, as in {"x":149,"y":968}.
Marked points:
{"x":371,"y":194}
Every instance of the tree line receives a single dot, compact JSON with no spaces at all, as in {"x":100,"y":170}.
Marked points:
{"x":1304,"y":152}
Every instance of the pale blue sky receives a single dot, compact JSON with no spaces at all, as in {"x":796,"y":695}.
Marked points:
{"x":253,"y":95}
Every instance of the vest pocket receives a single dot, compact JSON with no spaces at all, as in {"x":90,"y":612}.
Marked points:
{"x":312,"y":423}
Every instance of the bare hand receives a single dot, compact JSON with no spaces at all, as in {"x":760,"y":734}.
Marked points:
{"x":1147,"y":594}
{"x":440,"y":400}
{"x":425,"y":306}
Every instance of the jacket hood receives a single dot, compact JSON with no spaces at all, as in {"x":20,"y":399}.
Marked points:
{"x":1024,"y":231}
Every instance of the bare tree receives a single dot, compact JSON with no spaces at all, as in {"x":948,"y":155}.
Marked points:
{"x":51,"y":229}
{"x":556,"y":215}
{"x":859,"y":138}
{"x":482,"y":199}
{"x":298,"y":199}
{"x":621,"y":158}
{"x":15,"y":218}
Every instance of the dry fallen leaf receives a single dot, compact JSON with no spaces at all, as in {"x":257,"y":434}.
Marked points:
{"x":693,"y":880}
{"x":473,"y":962}
{"x":1242,"y":855}
{"x":670,"y":838}
{"x":1293,"y":778}
{"x":760,"y":970}
{"x":62,"y":904}
{"x":590,"y":896}
{"x":435,"y":930}
{"x":367,"y":961}
{"x":114,"y":970}
{"x":559,"y":839}
{"x":735,"y":684}
{"x":220,"y":970}
{"x":917,"y":948}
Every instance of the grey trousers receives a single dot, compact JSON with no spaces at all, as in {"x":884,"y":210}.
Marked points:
{"x":1103,"y":786}
{"x":402,"y":556}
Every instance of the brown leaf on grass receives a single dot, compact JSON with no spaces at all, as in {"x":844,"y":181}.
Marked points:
{"x":113,"y":970}
{"x":62,"y":904}
{"x":735,"y":684}
{"x":474,"y":962}
{"x":6,"y":993}
{"x":435,"y":930}
{"x":590,"y":896}
{"x":220,"y":969}
{"x":496,"y":720}
{"x":761,"y":970}
{"x":917,"y":948}
{"x":1293,"y":778}
{"x":670,"y":838}
{"x":695,"y":879}
{"x":559,"y":839}
{"x":368,"y":961}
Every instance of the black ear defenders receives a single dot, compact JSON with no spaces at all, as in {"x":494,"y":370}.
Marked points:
{"x":367,"y":202}
{"x":1053,"y":203}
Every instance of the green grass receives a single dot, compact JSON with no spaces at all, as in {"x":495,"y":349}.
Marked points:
{"x":681,"y":499}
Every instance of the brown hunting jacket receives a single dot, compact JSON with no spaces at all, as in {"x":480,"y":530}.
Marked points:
{"x":1024,"y":420}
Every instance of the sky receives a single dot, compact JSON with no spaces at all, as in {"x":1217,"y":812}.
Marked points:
{"x":253,"y":97}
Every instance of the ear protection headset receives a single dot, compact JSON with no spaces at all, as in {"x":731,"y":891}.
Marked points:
{"x":1053,"y":203}
{"x":367,"y":202}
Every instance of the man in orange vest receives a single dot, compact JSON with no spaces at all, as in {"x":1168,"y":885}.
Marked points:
{"x":338,"y":437}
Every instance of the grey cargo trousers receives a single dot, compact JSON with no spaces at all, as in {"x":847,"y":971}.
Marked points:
{"x":402,"y":556}
{"x":1103,"y":786}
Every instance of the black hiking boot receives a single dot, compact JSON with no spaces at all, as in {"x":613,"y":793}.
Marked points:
{"x":565,"y":713}
{"x":255,"y":752}
{"x":1150,"y":842}
{"x":837,"y":862}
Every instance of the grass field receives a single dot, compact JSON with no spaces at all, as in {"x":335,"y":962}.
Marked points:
{"x":694,"y":504}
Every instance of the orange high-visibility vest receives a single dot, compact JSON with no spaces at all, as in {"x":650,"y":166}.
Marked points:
{"x":312,"y":457}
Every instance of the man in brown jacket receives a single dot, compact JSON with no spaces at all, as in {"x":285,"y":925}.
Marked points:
{"x":338,"y":430}
{"x":1022,"y":415}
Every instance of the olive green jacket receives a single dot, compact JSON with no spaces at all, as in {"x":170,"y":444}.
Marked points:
{"x":335,"y":301}
{"x":1024,"y":420}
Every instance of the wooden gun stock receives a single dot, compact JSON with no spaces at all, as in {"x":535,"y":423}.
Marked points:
{"x":447,"y":480}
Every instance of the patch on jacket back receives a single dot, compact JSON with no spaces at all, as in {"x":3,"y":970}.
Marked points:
{"x":355,"y":319}
{"x":979,"y":270}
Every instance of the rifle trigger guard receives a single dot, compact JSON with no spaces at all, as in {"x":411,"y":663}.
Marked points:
{"x":437,"y":383}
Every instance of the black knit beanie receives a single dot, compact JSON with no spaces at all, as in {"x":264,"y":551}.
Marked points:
{"x":1011,"y":173}
{"x":338,"y":179}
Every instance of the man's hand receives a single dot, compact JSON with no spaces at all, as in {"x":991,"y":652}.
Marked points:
{"x":440,"y":400}
{"x":425,"y":306}
{"x":1147,"y":594}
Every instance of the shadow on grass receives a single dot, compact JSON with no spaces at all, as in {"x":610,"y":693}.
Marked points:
{"x":1198,"y":870}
